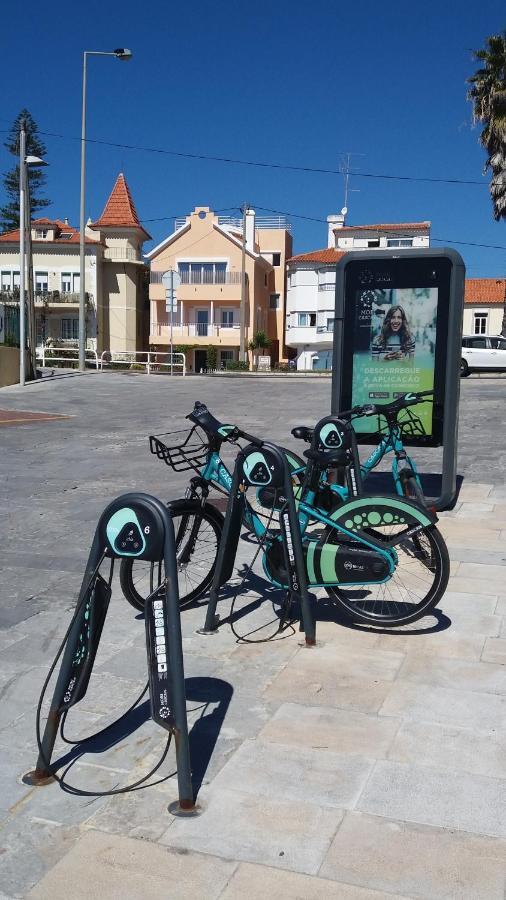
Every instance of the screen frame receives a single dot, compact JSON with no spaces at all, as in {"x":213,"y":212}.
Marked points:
{"x":405,"y":273}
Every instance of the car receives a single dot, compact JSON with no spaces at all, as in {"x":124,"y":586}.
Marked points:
{"x":483,"y":353}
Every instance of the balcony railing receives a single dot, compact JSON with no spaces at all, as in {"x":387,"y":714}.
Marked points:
{"x":200,"y":277}
{"x":193,"y":329}
{"x":327,"y":286}
{"x":122,"y":253}
{"x":261,"y":222}
{"x":56,"y":297}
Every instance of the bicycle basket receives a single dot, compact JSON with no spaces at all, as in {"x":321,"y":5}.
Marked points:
{"x":189,"y":453}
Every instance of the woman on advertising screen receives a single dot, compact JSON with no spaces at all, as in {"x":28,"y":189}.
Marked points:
{"x":395,"y":340}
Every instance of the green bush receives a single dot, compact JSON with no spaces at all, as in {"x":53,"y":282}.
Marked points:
{"x":237,"y":365}
{"x":211,"y":357}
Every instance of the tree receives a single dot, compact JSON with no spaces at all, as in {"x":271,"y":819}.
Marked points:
{"x":260,"y":342}
{"x":9,"y":214}
{"x":488,"y":96}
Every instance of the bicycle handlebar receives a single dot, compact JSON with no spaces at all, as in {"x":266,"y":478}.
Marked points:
{"x":374,"y":409}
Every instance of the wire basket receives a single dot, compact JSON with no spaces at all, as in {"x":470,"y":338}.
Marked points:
{"x":189,"y":453}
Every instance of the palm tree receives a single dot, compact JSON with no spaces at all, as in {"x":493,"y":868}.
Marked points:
{"x":260,"y":342}
{"x":488,"y":96}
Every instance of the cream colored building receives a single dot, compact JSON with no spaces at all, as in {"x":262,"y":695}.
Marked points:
{"x":115,"y":277}
{"x":206,"y":251}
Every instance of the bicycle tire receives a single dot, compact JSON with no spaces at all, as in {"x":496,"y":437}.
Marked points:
{"x":396,"y":602}
{"x":138,"y":578}
{"x":412,"y":490}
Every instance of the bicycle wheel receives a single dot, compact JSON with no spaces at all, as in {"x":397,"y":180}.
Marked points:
{"x":413,"y":590}
{"x":197,"y":530}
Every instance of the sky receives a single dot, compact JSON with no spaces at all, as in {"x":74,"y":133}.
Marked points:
{"x":286,"y":83}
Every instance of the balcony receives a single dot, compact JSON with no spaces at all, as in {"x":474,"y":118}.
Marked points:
{"x":204,"y":279}
{"x":194,"y":332}
{"x":261,"y":222}
{"x":122,"y":254}
{"x":59,"y":298}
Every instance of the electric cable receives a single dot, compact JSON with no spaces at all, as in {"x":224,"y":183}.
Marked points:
{"x":65,"y":785}
{"x":243,"y":638}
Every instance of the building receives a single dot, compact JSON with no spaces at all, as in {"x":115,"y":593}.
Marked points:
{"x":312,"y":279}
{"x":484,"y":303}
{"x":206,"y":250}
{"x":115,"y":277}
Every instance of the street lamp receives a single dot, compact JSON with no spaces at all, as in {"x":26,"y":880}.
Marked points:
{"x":120,"y":53}
{"x":24,"y":227}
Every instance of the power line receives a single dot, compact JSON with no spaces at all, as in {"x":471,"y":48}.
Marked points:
{"x":264,"y":165}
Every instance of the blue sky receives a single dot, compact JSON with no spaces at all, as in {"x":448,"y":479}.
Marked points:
{"x":294,"y":83}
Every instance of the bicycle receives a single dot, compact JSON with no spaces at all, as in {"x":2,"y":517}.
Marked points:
{"x":198,"y":524}
{"x":404,"y":471}
{"x":381,"y":559}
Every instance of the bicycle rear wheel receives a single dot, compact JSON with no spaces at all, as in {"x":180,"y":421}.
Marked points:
{"x":197,"y":530}
{"x":413,"y":590}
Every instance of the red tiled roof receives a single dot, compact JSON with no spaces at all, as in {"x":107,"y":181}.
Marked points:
{"x":485,"y":290}
{"x":12,"y":237}
{"x":119,"y":211}
{"x":398,"y":226}
{"x":329,"y":255}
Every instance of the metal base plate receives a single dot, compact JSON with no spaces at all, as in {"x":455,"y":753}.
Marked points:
{"x":38,"y":777}
{"x":176,"y":810}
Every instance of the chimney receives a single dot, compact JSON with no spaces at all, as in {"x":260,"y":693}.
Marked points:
{"x":65,"y":221}
{"x":334,"y":221}
{"x":250,"y":230}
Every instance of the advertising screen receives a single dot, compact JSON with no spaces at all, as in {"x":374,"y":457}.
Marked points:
{"x":395,"y":329}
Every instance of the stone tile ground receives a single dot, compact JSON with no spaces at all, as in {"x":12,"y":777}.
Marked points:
{"x":369,"y":767}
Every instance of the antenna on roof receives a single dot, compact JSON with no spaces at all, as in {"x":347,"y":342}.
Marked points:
{"x":345,"y":168}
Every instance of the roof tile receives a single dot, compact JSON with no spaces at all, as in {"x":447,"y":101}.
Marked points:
{"x":119,"y":211}
{"x":485,"y":290}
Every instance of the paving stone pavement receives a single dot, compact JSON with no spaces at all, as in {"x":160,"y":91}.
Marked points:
{"x":372,"y":766}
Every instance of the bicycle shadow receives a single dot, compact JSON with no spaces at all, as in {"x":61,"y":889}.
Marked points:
{"x":436,"y":621}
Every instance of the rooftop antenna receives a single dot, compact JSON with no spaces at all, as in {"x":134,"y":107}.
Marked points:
{"x":345,"y":168}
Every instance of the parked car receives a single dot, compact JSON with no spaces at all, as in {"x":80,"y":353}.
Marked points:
{"x":482,"y":353}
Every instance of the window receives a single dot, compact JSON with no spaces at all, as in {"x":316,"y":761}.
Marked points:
{"x":399,"y":242}
{"x":498,"y":343}
{"x":226,"y":355}
{"x":374,"y":243}
{"x":227,"y":318}
{"x":41,"y":233}
{"x":76,"y":282}
{"x":265,"y":280}
{"x":202,"y":272}
{"x":15,"y":280}
{"x":306,"y":320}
{"x":41,"y":282}
{"x":477,"y":343}
{"x":276,"y":259}
{"x":480,"y":323}
{"x":274,"y":301}
{"x":330,"y":325}
{"x":6,"y":281}
{"x":66,"y":282}
{"x":69,"y":329}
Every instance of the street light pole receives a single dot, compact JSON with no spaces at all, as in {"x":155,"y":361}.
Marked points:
{"x":242,"y":321}
{"x":120,"y":53}
{"x":22,"y":226}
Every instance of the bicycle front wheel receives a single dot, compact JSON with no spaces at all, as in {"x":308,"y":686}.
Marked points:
{"x":197,"y":529}
{"x":413,"y":590}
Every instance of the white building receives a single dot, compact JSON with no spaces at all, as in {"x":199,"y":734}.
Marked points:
{"x":312,"y":281}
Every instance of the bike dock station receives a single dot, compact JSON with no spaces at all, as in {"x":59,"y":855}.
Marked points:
{"x":134,"y":525}
{"x":398,"y":329}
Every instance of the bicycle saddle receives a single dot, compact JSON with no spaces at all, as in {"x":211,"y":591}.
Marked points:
{"x":302,"y":433}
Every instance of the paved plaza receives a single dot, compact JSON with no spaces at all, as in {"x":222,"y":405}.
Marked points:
{"x":372,"y":766}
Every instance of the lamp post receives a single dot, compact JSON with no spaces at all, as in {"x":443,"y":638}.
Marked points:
{"x":24,"y":230}
{"x":120,"y":53}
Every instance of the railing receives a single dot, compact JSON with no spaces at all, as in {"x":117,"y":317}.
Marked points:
{"x":200,"y":278}
{"x":327,"y":286}
{"x":261,"y":222}
{"x":60,"y":297}
{"x":191,"y":329}
{"x":325,"y":329}
{"x":128,"y":253}
{"x":151,"y":361}
{"x":46,"y":355}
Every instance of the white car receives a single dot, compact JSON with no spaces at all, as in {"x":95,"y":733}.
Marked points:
{"x":482,"y":353}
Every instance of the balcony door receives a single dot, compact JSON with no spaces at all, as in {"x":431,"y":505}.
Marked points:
{"x":202,"y":323}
